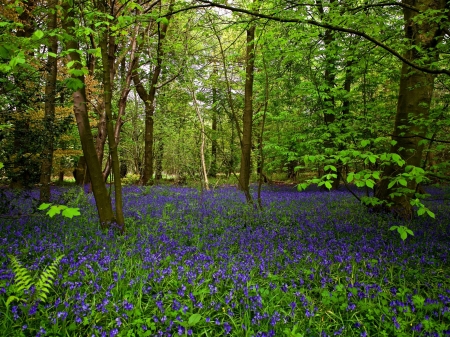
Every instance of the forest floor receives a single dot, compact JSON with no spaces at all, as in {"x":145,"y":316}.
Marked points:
{"x":204,"y":263}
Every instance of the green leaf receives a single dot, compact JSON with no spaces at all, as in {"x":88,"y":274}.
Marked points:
{"x":53,"y":211}
{"x":74,"y":84}
{"x":163,"y":20}
{"x":393,"y":228}
{"x":365,"y":142}
{"x":1,"y":166}
{"x":403,"y":235}
{"x":403,"y":182}
{"x":421,"y":211}
{"x":194,"y":319}
{"x":370,"y":183}
{"x":37,"y":35}
{"x":392,"y":183}
{"x":376,"y":174}
{"x":44,"y":206}
{"x":350,"y":177}
{"x":328,"y":185}
{"x":431,"y":214}
{"x":71,"y":212}
{"x":330,"y":167}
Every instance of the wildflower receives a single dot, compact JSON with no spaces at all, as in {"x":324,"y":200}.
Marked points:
{"x":339,"y":332}
{"x":396,"y":324}
{"x":227,"y":328}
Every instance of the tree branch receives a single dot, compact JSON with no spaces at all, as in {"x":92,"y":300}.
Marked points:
{"x":332,"y":27}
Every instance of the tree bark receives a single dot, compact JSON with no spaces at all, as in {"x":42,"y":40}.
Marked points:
{"x":330,"y":103}
{"x":158,"y":160}
{"x":414,"y":99}
{"x":123,"y":100}
{"x":102,"y":199}
{"x":49,"y":108}
{"x":247,"y":118}
{"x":213,"y":169}
{"x":108,"y":75}
{"x":205,"y":182}
{"x":149,"y":101}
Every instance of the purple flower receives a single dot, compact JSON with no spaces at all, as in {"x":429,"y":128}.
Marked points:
{"x":227,"y":328}
{"x":339,"y":332}
{"x":127,"y":306}
{"x":396,"y":324}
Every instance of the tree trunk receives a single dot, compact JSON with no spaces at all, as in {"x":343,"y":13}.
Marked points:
{"x":21,"y":128}
{"x":205,"y":182}
{"x":108,"y":63}
{"x":330,"y":104}
{"x":123,"y":100}
{"x":158,"y":160}
{"x":247,"y":118}
{"x":49,"y":108}
{"x":414,"y":99}
{"x":149,"y":101}
{"x":213,"y":169}
{"x":102,"y":199}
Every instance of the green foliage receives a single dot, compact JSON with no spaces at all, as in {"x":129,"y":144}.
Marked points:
{"x":68,"y":212}
{"x":24,"y":281}
{"x":403,"y":231}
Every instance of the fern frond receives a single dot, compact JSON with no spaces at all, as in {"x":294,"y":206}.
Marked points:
{"x":23,"y":279}
{"x":22,"y":275}
{"x":46,"y":279}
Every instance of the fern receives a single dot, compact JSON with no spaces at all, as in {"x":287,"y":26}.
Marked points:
{"x":24,"y":280}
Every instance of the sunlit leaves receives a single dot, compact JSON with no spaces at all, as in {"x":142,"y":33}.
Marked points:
{"x":68,"y":212}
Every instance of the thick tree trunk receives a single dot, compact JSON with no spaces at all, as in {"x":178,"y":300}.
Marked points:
{"x":102,"y":133}
{"x":49,"y":108}
{"x":107,"y":59}
{"x":102,"y":199}
{"x":415,"y":94}
{"x":247,"y":118}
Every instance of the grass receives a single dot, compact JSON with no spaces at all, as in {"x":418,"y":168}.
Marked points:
{"x":206,"y":264}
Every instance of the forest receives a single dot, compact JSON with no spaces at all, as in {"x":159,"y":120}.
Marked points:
{"x":228,"y":167}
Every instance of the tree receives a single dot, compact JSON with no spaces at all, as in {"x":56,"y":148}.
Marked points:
{"x":102,"y":198}
{"x":50,"y":100}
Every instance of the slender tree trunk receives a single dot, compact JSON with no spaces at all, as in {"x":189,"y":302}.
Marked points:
{"x":108,"y":63}
{"x":149,"y":101}
{"x":261,"y":135}
{"x":158,"y":160}
{"x":414,"y":99}
{"x":49,"y":108}
{"x":123,"y":100}
{"x":213,"y":169}
{"x":21,"y":127}
{"x":247,"y":118}
{"x":202,"y":142}
{"x":102,"y":199}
